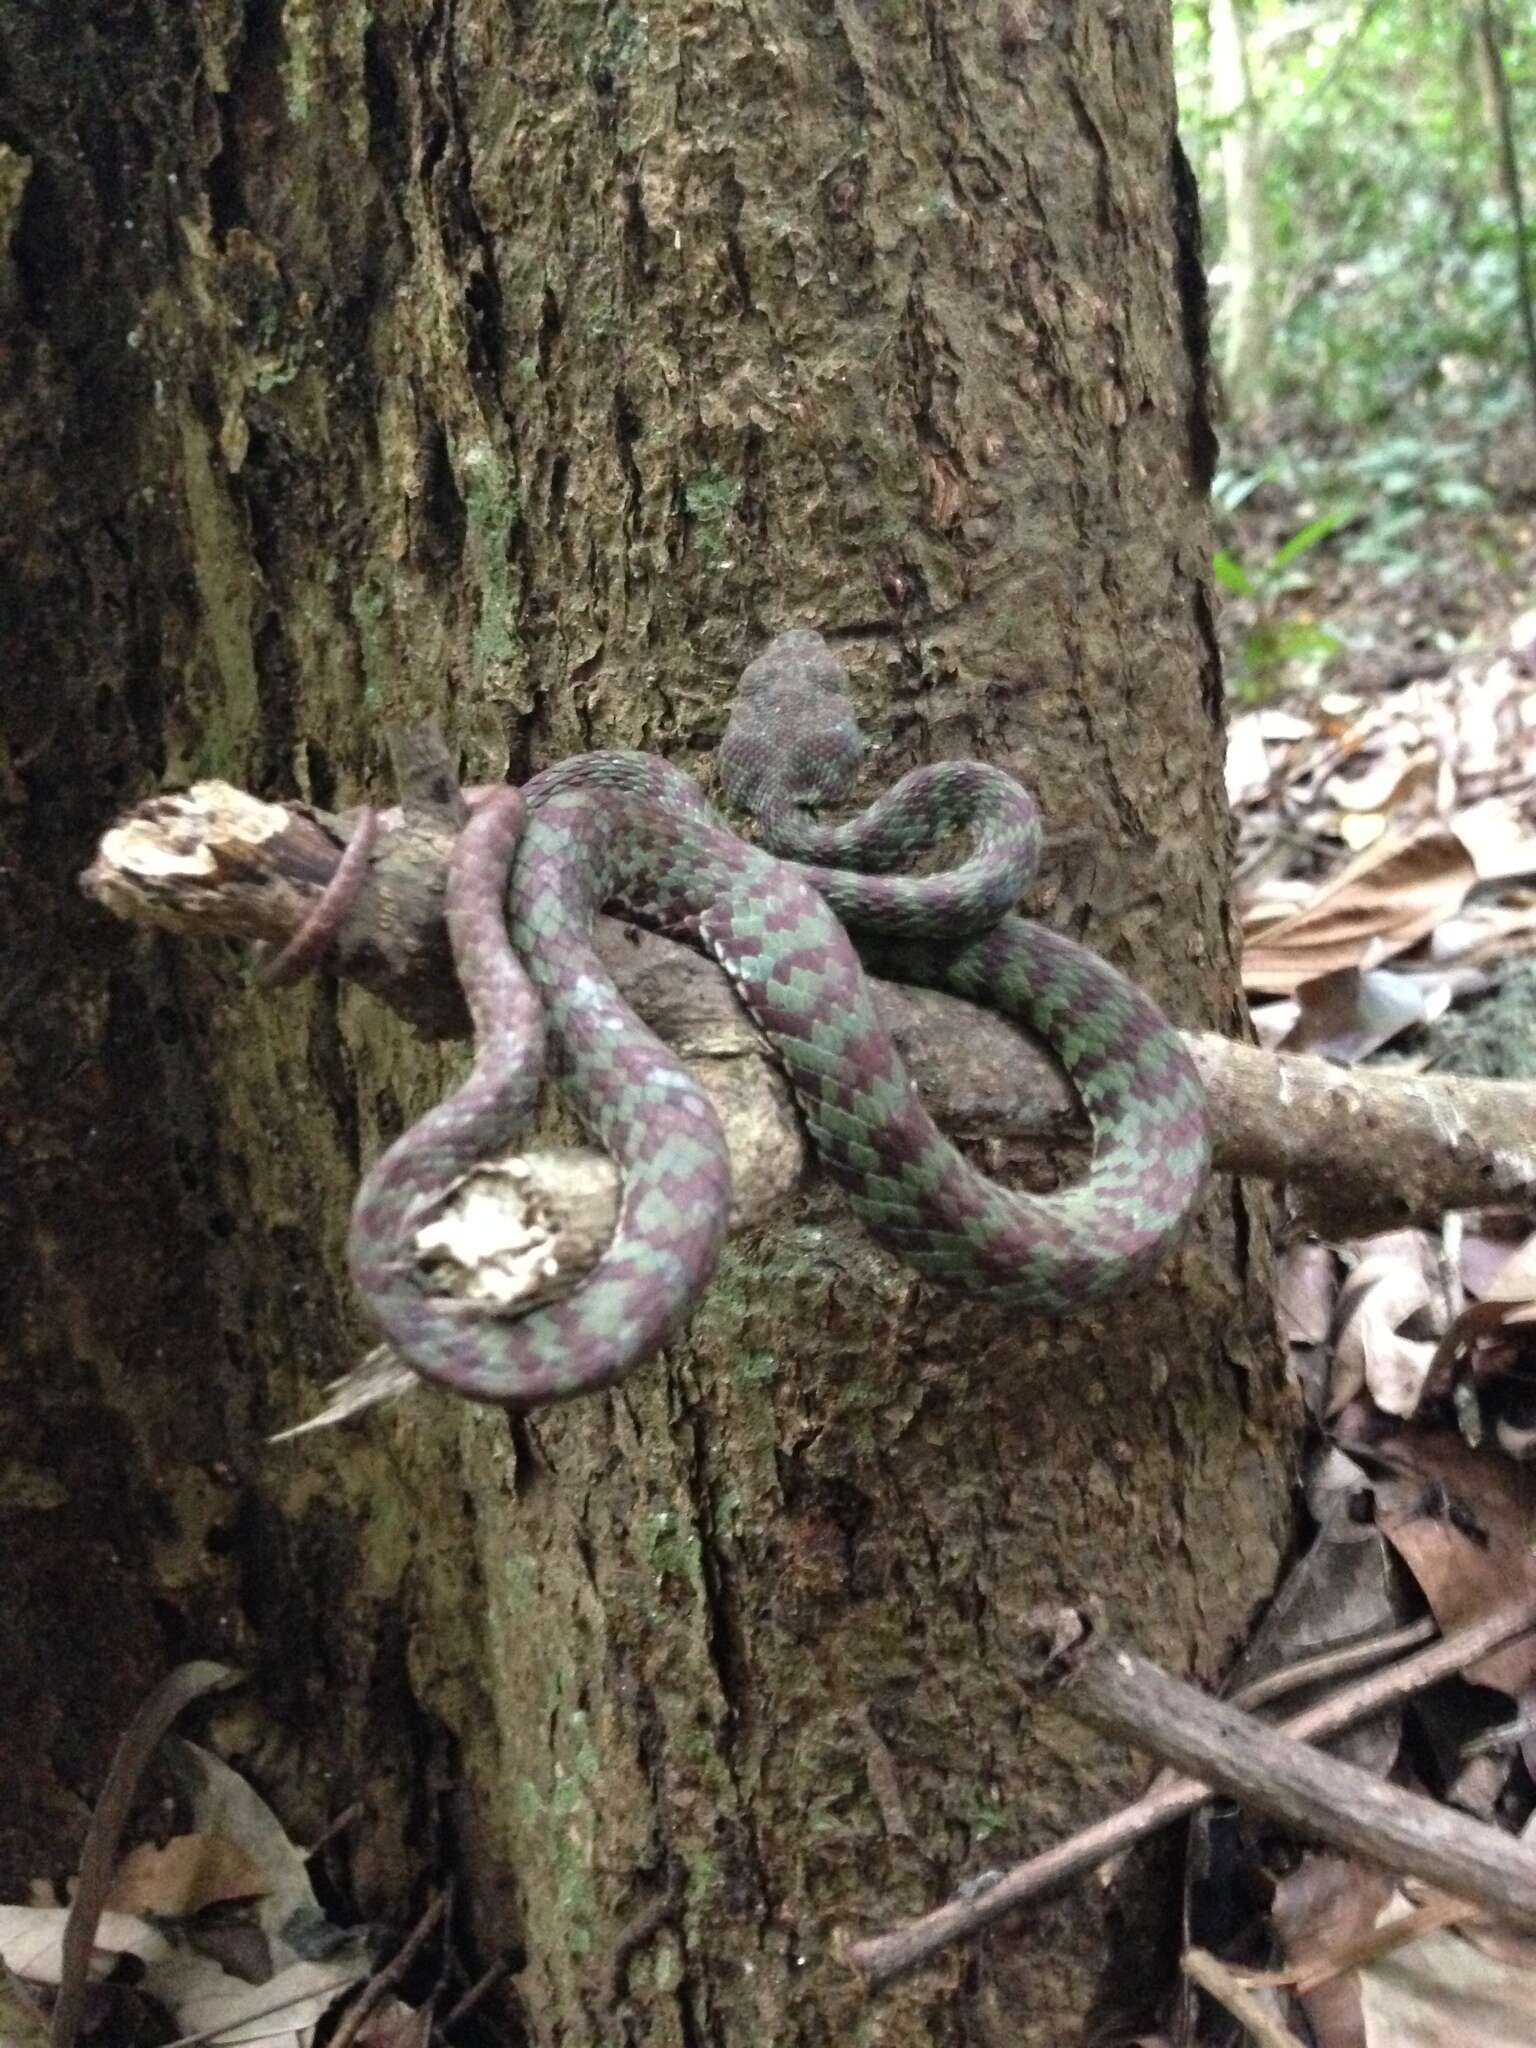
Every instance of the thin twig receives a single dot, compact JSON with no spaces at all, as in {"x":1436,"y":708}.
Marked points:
{"x":479,"y":1991}
{"x":1202,"y":1968}
{"x":264,"y":2012}
{"x":881,"y":1957}
{"x":1116,"y":1691}
{"x":1341,"y":1662}
{"x":339,"y":1825}
{"x":385,"y":1979}
{"x":1383,"y":1940}
{"x":98,"y":1854}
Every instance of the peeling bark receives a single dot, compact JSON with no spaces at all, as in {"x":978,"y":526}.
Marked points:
{"x":529,"y":365}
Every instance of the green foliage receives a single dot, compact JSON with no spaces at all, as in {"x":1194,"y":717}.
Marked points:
{"x":1393,"y":249}
{"x":1381,"y":491}
{"x":1274,"y":639}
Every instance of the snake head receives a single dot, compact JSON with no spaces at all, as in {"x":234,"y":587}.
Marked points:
{"x":793,"y":737}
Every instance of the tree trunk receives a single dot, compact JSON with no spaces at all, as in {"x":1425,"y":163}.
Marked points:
{"x":1490,"y":32}
{"x":529,"y":364}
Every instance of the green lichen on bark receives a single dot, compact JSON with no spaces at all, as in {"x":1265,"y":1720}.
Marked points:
{"x":492,"y":510}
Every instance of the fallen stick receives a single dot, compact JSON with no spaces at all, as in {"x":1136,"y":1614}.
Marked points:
{"x":1271,"y":1772}
{"x":880,"y":1957}
{"x":389,"y":1974}
{"x":1229,"y":1990}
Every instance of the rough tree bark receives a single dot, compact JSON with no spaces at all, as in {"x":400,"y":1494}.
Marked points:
{"x":530,"y":364}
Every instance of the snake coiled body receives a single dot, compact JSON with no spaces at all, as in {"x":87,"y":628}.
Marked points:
{"x":627,"y":832}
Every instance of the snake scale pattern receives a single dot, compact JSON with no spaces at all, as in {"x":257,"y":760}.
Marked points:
{"x":627,"y":832}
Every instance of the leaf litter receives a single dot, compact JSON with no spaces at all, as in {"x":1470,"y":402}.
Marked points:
{"x":220,"y":1921}
{"x":1387,"y":889}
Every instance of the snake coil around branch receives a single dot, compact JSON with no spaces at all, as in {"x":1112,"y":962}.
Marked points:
{"x":529,"y":875}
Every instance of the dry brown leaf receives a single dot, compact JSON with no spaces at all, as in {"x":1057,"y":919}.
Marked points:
{"x":1387,"y":781}
{"x":393,"y":2025}
{"x":1508,"y":1944}
{"x":1495,"y":1493}
{"x":1394,"y":1280}
{"x":1497,"y":837}
{"x":1484,"y":934}
{"x":1360,"y":829}
{"x":1426,"y":1917}
{"x":1274,"y":900}
{"x":187,"y":1874}
{"x":1378,"y":906}
{"x":1458,"y":746}
{"x":1486,"y":1245}
{"x":1463,"y":1576}
{"x":1491,"y":1936}
{"x":1371,"y":1350}
{"x":1272,"y":1022}
{"x":219,"y":1802}
{"x":286,"y":2009}
{"x":1248,"y":771}
{"x":1461,"y":1519}
{"x":1477,"y":1319}
{"x":1368,"y":1260}
{"x":1348,"y":1015}
{"x":1307,"y":1287}
{"x":1324,"y":1904}
{"x":1442,"y":1992}
{"x":1515,"y":1280}
{"x":1462,"y":1580}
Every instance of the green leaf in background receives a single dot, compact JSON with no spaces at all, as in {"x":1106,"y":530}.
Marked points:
{"x":1231,"y":488}
{"x":1298,"y":640}
{"x":1231,"y":574}
{"x":1309,"y":536}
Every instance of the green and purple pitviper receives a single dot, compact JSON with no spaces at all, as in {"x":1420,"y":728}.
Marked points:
{"x":628,"y":833}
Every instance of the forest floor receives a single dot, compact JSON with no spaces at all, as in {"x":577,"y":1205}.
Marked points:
{"x":1379,"y":629}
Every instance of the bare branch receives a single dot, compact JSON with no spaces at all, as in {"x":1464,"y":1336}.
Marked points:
{"x":880,"y":1957}
{"x":1244,"y":2004}
{"x":1358,"y":1149}
{"x":1270,"y":1771}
